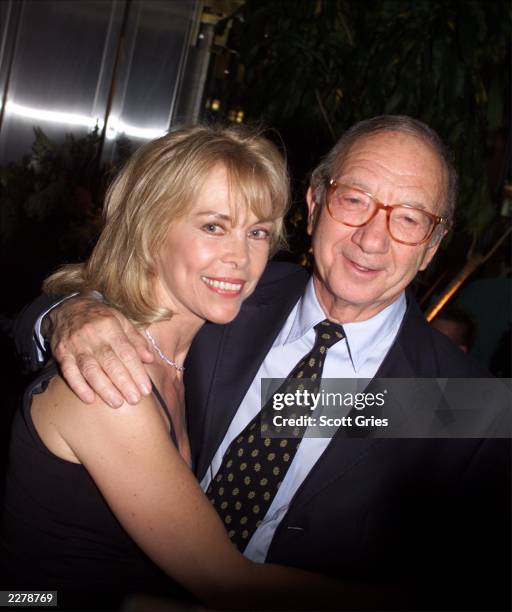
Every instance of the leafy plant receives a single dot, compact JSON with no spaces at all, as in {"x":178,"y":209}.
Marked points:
{"x":313,"y":68}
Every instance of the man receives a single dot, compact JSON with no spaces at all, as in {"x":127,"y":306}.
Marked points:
{"x":431,"y":516}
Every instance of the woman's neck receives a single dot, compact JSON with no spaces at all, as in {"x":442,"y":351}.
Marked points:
{"x":174,"y":337}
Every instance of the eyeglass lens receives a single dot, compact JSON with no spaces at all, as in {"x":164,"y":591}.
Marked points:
{"x":354,"y":207}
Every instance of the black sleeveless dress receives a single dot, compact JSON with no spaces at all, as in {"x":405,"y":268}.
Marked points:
{"x":57,"y":531}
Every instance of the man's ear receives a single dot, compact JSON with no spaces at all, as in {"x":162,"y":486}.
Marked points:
{"x":433,"y":245}
{"x":430,"y":251}
{"x":313,"y":209}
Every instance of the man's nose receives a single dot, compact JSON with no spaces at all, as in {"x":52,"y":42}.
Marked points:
{"x":374,"y":236}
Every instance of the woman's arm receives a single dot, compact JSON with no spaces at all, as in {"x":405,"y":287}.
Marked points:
{"x":160,"y":504}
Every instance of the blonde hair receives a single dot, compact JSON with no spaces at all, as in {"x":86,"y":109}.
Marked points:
{"x":157,"y":186}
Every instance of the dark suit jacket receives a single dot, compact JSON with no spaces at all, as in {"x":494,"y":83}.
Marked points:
{"x":430,"y":515}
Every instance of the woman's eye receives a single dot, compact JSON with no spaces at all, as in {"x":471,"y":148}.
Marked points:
{"x":212,"y":228}
{"x":259,"y":234}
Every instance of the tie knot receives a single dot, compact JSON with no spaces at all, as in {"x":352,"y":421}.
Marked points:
{"x":328,"y":333}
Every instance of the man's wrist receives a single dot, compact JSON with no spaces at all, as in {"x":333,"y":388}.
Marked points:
{"x":42,"y":328}
{"x":46,"y":322}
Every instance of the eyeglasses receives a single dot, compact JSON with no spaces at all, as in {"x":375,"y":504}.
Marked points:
{"x":355,"y":208}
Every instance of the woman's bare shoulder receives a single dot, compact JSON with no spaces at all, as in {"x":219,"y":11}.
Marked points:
{"x":65,"y":423}
{"x":62,"y":398}
{"x":76,"y":422}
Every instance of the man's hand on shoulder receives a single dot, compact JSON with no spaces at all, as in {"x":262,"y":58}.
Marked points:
{"x":99,"y":351}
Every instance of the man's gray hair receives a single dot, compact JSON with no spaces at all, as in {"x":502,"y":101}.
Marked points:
{"x":387,"y":123}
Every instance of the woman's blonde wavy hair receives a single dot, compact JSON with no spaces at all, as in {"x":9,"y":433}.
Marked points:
{"x":158,"y":185}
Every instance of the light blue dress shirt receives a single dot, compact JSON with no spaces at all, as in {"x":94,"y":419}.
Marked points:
{"x":359,"y":355}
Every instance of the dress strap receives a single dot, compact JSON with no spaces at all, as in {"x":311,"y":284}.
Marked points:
{"x":156,"y":393}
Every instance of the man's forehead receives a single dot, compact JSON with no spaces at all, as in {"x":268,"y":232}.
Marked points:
{"x":404,"y":144}
{"x":391,"y":156}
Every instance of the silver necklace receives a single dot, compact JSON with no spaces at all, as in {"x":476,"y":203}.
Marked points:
{"x":168,"y":361}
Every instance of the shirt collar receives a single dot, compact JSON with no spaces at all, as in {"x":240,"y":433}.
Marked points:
{"x":308,"y":314}
{"x":361,"y":336}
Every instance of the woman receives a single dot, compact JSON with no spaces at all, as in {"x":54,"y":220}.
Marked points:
{"x":101,"y":500}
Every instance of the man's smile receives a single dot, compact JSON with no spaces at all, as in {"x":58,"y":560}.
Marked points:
{"x":358,"y":267}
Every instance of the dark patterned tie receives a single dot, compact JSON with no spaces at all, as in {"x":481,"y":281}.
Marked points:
{"x":253,"y":466}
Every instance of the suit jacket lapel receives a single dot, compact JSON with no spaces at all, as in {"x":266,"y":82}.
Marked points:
{"x":411,"y":354}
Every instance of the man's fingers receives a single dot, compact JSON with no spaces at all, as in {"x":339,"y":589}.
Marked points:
{"x":99,"y":381}
{"x":98,"y":343}
{"x":133,"y":353}
{"x":114,"y":363}
{"x":131,"y":361}
{"x":75,"y":380}
{"x":140,"y":344}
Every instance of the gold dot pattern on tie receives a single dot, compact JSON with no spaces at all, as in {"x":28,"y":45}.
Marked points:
{"x":254,"y":465}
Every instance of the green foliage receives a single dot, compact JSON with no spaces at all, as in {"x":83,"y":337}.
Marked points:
{"x":318,"y":66}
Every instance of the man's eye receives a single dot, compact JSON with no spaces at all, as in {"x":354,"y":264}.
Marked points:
{"x":351,"y":200}
{"x":411,"y":220}
{"x":407,"y":219}
{"x":259,"y":234}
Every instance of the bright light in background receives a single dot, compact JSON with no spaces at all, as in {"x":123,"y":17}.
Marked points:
{"x":114,"y":126}
{"x":52,"y":116}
